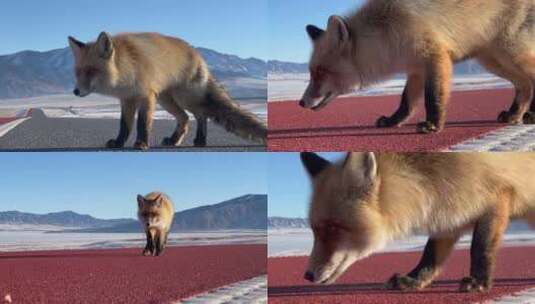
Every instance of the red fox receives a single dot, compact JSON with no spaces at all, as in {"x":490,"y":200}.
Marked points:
{"x":370,"y":199}
{"x":424,"y":39}
{"x":155,"y":212}
{"x":144,"y":68}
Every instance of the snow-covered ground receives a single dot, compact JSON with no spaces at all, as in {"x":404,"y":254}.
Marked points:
{"x":298,"y":242}
{"x":98,"y":106}
{"x":291,"y":86}
{"x":26,"y":238}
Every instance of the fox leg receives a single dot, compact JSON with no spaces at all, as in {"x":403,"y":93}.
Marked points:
{"x":409,"y":100}
{"x":202,"y":131}
{"x":168,"y":103}
{"x":435,"y":253}
{"x":159,"y":241}
{"x":486,"y":238}
{"x":518,"y":74}
{"x":144,"y":121}
{"x":128,"y":111}
{"x":148,"y":247}
{"x":437,"y":91}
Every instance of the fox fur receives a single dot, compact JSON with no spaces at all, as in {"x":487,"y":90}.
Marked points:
{"x":141,"y":69}
{"x":424,"y":38}
{"x":155,"y":212}
{"x":370,"y":199}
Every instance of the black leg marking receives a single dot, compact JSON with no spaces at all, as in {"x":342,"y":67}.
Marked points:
{"x":407,"y":105}
{"x":148,"y":247}
{"x":125,"y":125}
{"x":143,"y":127}
{"x":202,"y":130}
{"x":435,"y":253}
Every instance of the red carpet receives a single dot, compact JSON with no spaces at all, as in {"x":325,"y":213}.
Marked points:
{"x":349,"y":123}
{"x":363,"y":282}
{"x":123,"y":275}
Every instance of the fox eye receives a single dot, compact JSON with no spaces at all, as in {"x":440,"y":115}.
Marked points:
{"x":91,"y":72}
{"x":88,"y":72}
{"x":319,"y":73}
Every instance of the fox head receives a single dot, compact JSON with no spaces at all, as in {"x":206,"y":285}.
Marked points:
{"x":331,"y":67}
{"x":344,"y":214}
{"x":94,"y":65}
{"x":150,"y":209}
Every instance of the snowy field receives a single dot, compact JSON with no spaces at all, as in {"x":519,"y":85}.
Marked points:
{"x":298,"y":242}
{"x":27,"y":238}
{"x":249,"y":93}
{"x":283,"y":87}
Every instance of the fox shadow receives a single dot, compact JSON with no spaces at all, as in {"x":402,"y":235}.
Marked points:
{"x":445,"y":287}
{"x":372,"y":130}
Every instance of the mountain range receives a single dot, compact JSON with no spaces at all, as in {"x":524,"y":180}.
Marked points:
{"x":244,"y":212}
{"x":33,"y":73}
{"x":469,"y":67}
{"x":278,"y":222}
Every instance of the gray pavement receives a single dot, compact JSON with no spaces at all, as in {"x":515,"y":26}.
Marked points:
{"x":42,"y":133}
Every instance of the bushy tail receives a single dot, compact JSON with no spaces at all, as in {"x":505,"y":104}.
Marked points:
{"x":227,"y":113}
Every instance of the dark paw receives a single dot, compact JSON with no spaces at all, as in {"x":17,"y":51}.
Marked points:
{"x":168,"y":141}
{"x":506,"y":117}
{"x":529,"y":118}
{"x":471,"y":284}
{"x":140,"y":145}
{"x":403,"y":282}
{"x":427,"y":127}
{"x":385,"y":122}
{"x":114,"y":144}
{"x":199,"y":142}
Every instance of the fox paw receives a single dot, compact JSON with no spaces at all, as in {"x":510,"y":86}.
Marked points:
{"x":386,"y":122}
{"x":506,"y":117}
{"x":471,"y":284}
{"x":168,"y":141}
{"x":113,"y":144}
{"x":403,"y":282}
{"x":529,"y":118}
{"x":199,"y":142}
{"x":427,"y":127}
{"x":146,"y":252}
{"x":140,"y":145}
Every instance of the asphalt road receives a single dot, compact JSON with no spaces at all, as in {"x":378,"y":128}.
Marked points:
{"x":364,"y":281}
{"x":123,"y":275}
{"x":41,"y":133}
{"x":348,"y":124}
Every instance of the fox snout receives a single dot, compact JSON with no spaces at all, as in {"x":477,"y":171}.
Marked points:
{"x":80,"y":93}
{"x":315,"y":100}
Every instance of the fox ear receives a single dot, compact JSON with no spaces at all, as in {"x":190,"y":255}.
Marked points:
{"x":361,"y":166}
{"x":314,"y":163}
{"x":75,"y":45}
{"x":140,"y":200}
{"x":104,"y":45}
{"x":314,"y":32}
{"x":338,"y":30}
{"x":158,"y":200}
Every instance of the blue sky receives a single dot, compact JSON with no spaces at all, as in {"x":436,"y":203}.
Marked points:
{"x":105,"y":185}
{"x":288,"y":40}
{"x":289,"y":185}
{"x":231,"y":26}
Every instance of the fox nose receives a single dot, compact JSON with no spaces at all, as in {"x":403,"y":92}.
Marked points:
{"x":76,"y":92}
{"x":302,"y":103}
{"x":148,"y":224}
{"x":309,"y":276}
